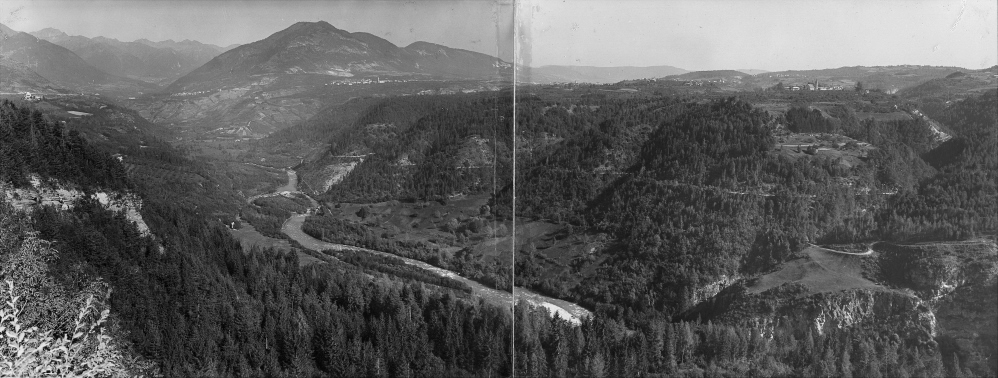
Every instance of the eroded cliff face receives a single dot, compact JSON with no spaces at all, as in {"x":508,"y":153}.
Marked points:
{"x":711,"y":289}
{"x":902,"y":313}
{"x":883,"y":310}
{"x":63,"y":198}
{"x":941,"y":295}
{"x":935,"y":270}
{"x":959,"y":281}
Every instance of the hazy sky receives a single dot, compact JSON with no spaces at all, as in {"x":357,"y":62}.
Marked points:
{"x":695,"y":35}
{"x":763,"y":34}
{"x":465,"y":24}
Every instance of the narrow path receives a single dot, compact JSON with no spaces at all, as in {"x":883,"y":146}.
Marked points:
{"x":869,"y":250}
{"x":869,"y":246}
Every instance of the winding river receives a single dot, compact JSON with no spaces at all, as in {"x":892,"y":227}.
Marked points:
{"x":293,"y":228}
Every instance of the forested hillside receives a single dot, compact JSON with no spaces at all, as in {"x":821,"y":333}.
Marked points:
{"x":31,"y":144}
{"x":683,"y":196}
{"x":426,"y":148}
{"x":674,"y":199}
{"x":201,"y":306}
{"x":671,"y":196}
{"x":961,"y":200}
{"x":669,"y":179}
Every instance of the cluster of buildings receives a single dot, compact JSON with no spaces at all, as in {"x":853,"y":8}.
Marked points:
{"x":699,"y":83}
{"x":812,"y":87}
{"x":376,"y":80}
{"x":32,"y":97}
{"x":196,"y":93}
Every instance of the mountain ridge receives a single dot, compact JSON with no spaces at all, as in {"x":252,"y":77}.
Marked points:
{"x":321,"y":48}
{"x":155,"y":62}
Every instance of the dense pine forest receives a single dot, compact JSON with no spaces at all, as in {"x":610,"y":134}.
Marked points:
{"x":31,"y":144}
{"x":202,"y":307}
{"x":681,"y":192}
{"x":419,"y":148}
{"x":497,"y":188}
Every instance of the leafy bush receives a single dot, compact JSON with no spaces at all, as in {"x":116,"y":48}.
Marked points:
{"x":31,"y":352}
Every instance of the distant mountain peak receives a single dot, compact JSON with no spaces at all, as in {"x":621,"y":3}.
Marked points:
{"x":49,"y":32}
{"x":312,"y":26}
{"x":319,"y":48}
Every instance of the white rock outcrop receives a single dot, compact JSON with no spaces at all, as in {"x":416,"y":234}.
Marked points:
{"x":62,"y":198}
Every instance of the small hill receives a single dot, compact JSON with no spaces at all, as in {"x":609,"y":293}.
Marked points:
{"x":955,"y":86}
{"x":886,"y":78}
{"x":705,"y":75}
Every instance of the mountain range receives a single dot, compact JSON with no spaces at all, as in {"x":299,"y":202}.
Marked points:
{"x":155,"y":62}
{"x":36,"y":64}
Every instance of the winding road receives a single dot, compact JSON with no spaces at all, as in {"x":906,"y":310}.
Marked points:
{"x":869,"y":247}
{"x":293,"y":228}
{"x":869,"y":250}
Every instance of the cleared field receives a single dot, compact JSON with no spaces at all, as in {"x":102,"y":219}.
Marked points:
{"x":847,"y":151}
{"x":249,"y":237}
{"x":566,"y":310}
{"x":820,"y":270}
{"x":438,"y":225}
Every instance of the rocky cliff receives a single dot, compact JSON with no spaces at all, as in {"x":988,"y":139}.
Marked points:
{"x":940,"y":295}
{"x":959,"y":282}
{"x":64,"y":197}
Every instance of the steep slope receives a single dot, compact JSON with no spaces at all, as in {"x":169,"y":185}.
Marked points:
{"x":17,"y":77}
{"x":63,"y":67}
{"x":54,"y":62}
{"x":446,"y":62}
{"x":6,"y":31}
